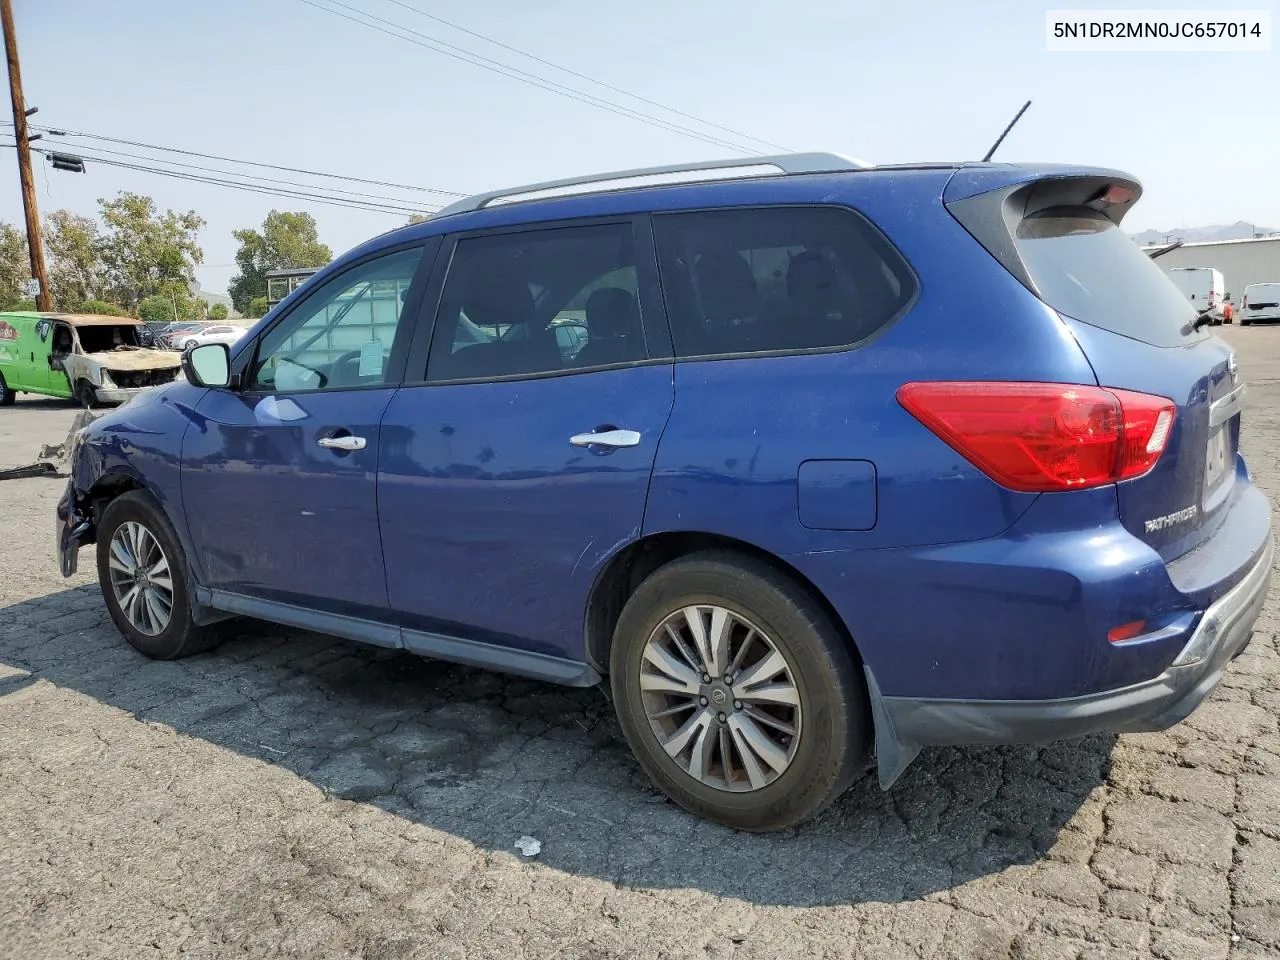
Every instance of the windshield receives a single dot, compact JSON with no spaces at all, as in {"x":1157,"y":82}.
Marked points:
{"x":1085,"y":267}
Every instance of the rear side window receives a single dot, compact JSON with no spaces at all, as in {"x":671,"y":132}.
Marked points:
{"x":776,"y":279}
{"x":1085,"y":267}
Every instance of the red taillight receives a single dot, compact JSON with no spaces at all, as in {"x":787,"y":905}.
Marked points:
{"x":1042,"y":437}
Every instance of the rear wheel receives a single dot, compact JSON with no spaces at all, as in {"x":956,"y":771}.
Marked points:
{"x":143,"y":575}
{"x":737,"y":693}
{"x":7,"y":396}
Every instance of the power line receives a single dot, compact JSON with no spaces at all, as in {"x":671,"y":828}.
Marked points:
{"x":83,"y":153}
{"x":256,"y":188}
{"x":582,"y":76}
{"x":63,"y":131}
{"x":514,"y":73}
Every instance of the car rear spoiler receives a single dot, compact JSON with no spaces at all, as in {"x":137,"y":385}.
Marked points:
{"x":992,"y":215}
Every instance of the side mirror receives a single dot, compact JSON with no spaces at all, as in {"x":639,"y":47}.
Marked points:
{"x":208,"y":365}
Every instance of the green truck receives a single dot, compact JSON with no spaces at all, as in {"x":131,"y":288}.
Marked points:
{"x":93,"y":359}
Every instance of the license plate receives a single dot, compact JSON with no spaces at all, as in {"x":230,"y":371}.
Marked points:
{"x":1218,"y":458}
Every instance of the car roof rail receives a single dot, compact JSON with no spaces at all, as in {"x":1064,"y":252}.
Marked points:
{"x":783,"y":164}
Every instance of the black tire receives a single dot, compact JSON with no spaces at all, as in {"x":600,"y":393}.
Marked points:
{"x":1244,"y":322}
{"x":85,"y":394}
{"x":835,"y":725}
{"x":7,"y":396}
{"x":182,"y":636}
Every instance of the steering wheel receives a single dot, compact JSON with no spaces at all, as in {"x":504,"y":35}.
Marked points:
{"x":341,"y":362}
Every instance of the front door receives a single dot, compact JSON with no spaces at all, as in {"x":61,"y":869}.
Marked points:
{"x":521,"y":462}
{"x":278,"y":476}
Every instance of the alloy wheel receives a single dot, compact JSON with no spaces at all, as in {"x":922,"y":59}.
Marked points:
{"x":141,"y":578}
{"x":721,"y":699}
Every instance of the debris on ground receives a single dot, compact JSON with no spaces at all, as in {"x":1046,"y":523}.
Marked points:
{"x":54,"y":459}
{"x":529,"y":847}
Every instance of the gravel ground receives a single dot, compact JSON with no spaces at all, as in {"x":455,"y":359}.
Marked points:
{"x":290,"y":795}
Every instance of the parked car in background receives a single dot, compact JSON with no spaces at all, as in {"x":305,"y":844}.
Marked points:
{"x":1260,"y":304}
{"x":91,"y":357}
{"x":802,"y":495}
{"x":212,"y":333}
{"x":1204,"y":288}
{"x":171,"y":332}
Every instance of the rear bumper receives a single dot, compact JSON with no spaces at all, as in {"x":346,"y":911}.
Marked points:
{"x":904,"y":725}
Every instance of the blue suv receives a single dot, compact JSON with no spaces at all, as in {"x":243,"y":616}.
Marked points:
{"x":816,"y":461}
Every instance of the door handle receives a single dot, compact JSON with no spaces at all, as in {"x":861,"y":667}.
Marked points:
{"x":606,"y":438}
{"x":342,"y":443}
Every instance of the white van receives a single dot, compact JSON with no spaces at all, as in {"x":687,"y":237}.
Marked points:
{"x":1261,"y":302}
{"x":1204,"y":287}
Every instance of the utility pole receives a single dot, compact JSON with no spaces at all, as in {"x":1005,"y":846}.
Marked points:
{"x":43,"y":300}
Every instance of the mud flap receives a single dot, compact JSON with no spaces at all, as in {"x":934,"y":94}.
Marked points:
{"x":893,"y":756}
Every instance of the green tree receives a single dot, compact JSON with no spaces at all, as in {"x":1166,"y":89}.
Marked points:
{"x":257,"y":307}
{"x":15,"y":266}
{"x":156,"y":309}
{"x":73,"y":249}
{"x":102,"y":307}
{"x":146,"y":253}
{"x":286,"y":241}
{"x":219,"y":311}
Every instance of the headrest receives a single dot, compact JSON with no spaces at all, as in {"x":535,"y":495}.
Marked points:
{"x":611,"y":312}
{"x":809,"y":274}
{"x":492,"y":295}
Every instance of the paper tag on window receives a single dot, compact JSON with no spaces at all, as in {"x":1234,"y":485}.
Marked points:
{"x":371,"y":358}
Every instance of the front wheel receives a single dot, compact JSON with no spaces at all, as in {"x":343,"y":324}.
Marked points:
{"x":143,"y":576}
{"x":7,"y":395}
{"x":738,"y":694}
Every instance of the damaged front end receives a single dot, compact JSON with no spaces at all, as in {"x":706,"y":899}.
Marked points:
{"x":75,"y":529}
{"x":116,"y":375}
{"x":74,"y":513}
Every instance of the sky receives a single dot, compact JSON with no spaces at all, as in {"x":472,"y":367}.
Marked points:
{"x":281,"y":82}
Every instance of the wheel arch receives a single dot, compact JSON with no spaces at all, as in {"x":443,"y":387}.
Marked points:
{"x":629,"y":566}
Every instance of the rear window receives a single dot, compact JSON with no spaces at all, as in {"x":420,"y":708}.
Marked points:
{"x":1085,"y":267}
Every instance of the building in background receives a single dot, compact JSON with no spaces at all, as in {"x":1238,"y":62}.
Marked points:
{"x":1241,"y":262}
{"x":281,"y":283}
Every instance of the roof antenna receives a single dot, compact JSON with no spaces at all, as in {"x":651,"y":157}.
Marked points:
{"x":995,"y":146}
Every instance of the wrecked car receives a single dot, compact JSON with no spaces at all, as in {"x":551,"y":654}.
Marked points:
{"x":91,"y":358}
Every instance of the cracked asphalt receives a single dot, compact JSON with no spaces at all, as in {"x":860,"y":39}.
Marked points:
{"x":291,"y":795}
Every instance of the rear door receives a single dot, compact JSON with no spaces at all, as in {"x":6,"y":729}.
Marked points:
{"x":16,"y":356}
{"x":1062,"y":238}
{"x":1261,"y":302}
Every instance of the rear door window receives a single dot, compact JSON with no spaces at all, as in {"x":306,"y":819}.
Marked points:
{"x":1084,"y":266}
{"x":777,"y":280}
